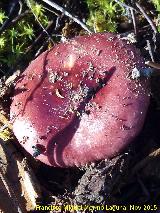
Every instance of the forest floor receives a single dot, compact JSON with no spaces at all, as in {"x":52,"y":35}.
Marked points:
{"x":128,"y":181}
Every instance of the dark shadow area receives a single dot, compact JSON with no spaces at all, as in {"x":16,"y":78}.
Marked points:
{"x":58,"y":180}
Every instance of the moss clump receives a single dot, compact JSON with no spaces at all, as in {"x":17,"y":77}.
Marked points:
{"x":17,"y":37}
{"x":156,"y":4}
{"x":103,"y":15}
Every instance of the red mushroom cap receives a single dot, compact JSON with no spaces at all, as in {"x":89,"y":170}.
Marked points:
{"x":78,"y":103}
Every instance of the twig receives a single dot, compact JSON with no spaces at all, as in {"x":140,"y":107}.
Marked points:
{"x":6,"y":23}
{"x":7,"y":184}
{"x":39,"y":37}
{"x":147,"y":18}
{"x":142,"y":11}
{"x":18,"y":179}
{"x":5,"y":86}
{"x":150,"y":50}
{"x":11,"y":192}
{"x":62,"y":10}
{"x":19,"y":17}
{"x":57,"y":25}
{"x":51,"y":11}
{"x":153,"y":64}
{"x":125,"y":5}
{"x":134,"y":21}
{"x":20,"y":7}
{"x":14,"y":21}
{"x":132,"y":10}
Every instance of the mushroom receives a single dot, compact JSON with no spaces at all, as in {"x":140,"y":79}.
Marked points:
{"x":81,"y":101}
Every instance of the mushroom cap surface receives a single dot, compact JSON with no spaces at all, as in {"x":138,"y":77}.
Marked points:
{"x":78,"y":103}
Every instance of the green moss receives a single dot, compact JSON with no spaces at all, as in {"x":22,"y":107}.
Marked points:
{"x":39,"y":12}
{"x":103,"y":15}
{"x":3,"y":17}
{"x":16,"y":39}
{"x":2,"y":42}
{"x":156,"y":4}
